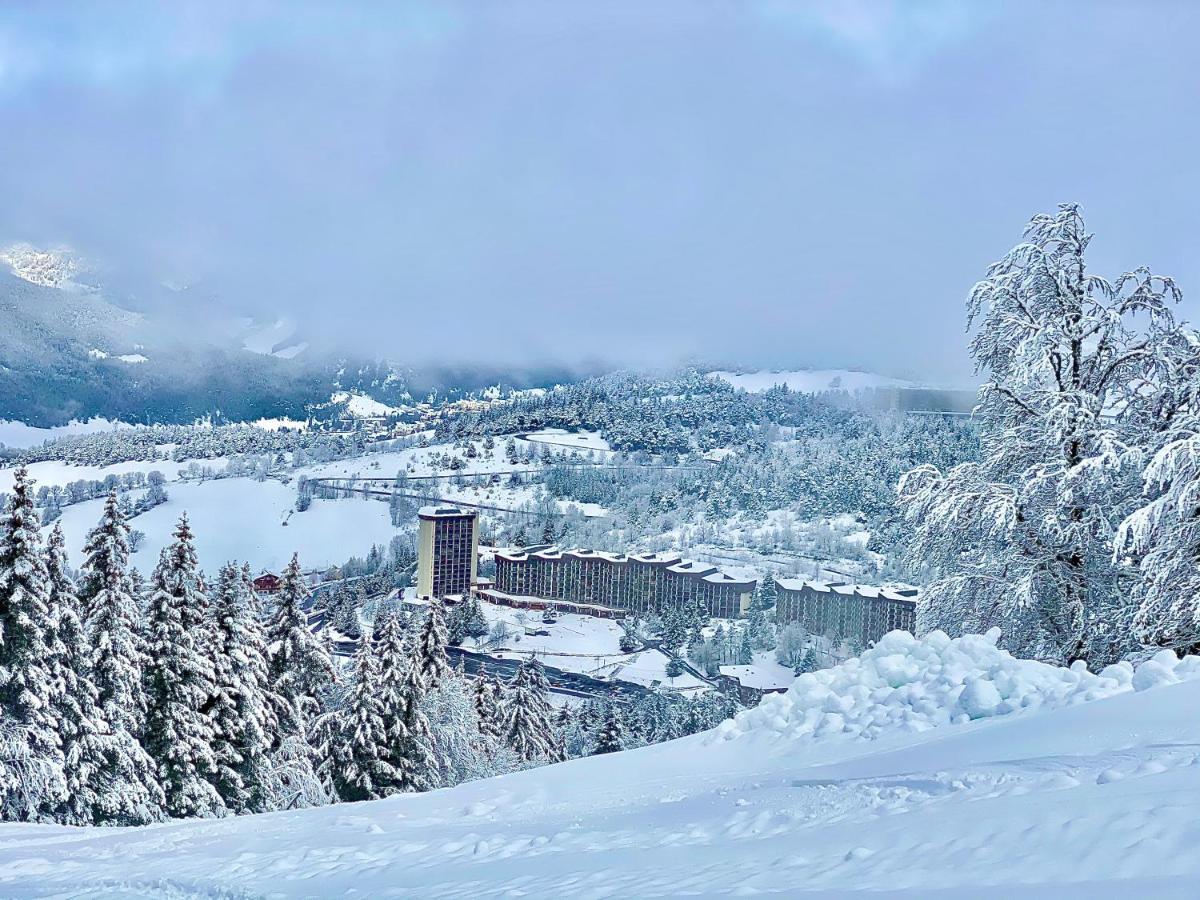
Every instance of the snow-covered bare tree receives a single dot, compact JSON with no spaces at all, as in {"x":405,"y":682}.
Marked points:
{"x":1080,"y":382}
{"x":29,"y":693}
{"x":1163,"y":535}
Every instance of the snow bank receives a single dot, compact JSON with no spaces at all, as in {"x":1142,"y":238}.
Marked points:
{"x":907,"y":684}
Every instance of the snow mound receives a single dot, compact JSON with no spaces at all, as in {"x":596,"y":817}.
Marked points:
{"x":908,"y":684}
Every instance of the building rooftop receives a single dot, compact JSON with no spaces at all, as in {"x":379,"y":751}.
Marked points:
{"x":863,"y":591}
{"x":443,"y":510}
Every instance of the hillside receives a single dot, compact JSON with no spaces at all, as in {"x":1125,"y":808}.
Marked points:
{"x":1086,"y":788}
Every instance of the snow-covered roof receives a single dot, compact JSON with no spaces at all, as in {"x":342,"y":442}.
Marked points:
{"x":443,"y":510}
{"x":725,"y":578}
{"x":862,"y":591}
{"x":689,"y":567}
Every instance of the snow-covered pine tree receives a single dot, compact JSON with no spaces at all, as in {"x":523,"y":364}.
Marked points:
{"x":474,"y":622}
{"x":180,"y":684}
{"x":611,"y":737}
{"x":76,"y":708}
{"x":298,"y":663}
{"x":412,"y":746}
{"x":674,"y":667}
{"x":359,"y":764}
{"x":242,"y":710}
{"x":745,"y":650}
{"x":432,"y":664}
{"x":808,"y":662}
{"x":488,"y":699}
{"x":1079,"y":369}
{"x":132,"y":794}
{"x":29,"y":694}
{"x":527,"y":714}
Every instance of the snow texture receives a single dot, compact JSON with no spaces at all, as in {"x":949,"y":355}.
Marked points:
{"x":1065,"y":799}
{"x":913,"y":684}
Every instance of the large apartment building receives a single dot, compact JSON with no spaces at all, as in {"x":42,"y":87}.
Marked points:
{"x":637,"y":583}
{"x":857,"y":613}
{"x":447,"y":551}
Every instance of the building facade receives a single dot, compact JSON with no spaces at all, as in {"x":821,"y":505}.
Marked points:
{"x":637,"y":583}
{"x":447,"y":551}
{"x":855,"y":613}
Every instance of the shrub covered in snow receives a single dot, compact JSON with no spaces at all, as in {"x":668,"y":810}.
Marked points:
{"x":905,"y":683}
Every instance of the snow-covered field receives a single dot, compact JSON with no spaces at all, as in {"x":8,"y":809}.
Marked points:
{"x":1088,"y":789}
{"x":362,"y":406}
{"x":242,"y":519}
{"x":579,"y":440}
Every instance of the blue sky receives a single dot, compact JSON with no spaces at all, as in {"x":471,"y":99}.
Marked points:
{"x":776,"y":183}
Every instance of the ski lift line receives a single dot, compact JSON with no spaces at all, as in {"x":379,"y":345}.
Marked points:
{"x":487,"y":474}
{"x":387,"y":495}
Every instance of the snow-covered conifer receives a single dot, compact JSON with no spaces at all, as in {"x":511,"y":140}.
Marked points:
{"x":131,"y":794}
{"x":527,"y":714}
{"x":29,"y":694}
{"x":359,"y":764}
{"x":611,"y":737}
{"x":488,"y":700}
{"x":243,"y":714}
{"x":432,"y":664}
{"x":299,"y":664}
{"x":180,"y":683}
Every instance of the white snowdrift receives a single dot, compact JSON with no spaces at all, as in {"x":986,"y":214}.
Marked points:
{"x":908,"y":684}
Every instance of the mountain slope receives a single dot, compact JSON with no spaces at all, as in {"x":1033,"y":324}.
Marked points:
{"x":1090,"y":798}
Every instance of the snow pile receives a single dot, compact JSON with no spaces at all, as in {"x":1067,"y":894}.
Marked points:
{"x":907,"y":684}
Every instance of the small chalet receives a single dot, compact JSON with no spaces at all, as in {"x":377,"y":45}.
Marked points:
{"x":267,"y":583}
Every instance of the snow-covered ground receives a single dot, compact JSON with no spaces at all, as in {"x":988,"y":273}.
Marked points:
{"x":1087,"y":788}
{"x":362,"y":406}
{"x":581,"y":644}
{"x":579,"y":440}
{"x":765,"y":674}
{"x":242,"y":519}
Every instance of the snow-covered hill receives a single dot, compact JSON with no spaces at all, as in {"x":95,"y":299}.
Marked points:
{"x":985,"y":777}
{"x":813,"y":381}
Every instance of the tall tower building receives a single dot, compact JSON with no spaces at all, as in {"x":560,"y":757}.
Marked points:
{"x":447,"y":550}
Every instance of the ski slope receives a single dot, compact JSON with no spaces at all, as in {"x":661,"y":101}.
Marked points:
{"x":1086,"y":787}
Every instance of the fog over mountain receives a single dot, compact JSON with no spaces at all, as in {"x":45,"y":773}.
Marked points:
{"x":766,"y":183}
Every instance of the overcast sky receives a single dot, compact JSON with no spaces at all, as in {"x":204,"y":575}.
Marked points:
{"x":780,"y":183}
